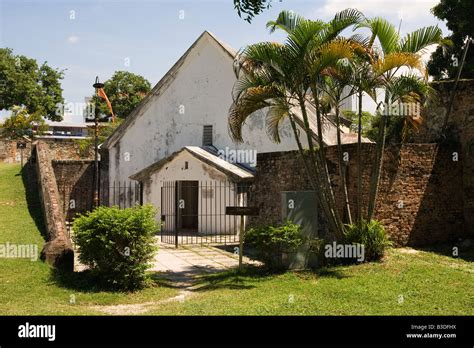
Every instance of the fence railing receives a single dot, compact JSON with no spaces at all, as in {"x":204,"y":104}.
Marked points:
{"x":194,"y":212}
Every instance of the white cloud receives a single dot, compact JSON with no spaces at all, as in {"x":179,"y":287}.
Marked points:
{"x":72,"y":39}
{"x":414,"y":13}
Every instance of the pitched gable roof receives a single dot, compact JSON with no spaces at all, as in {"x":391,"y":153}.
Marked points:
{"x":163,"y":84}
{"x":233,"y":171}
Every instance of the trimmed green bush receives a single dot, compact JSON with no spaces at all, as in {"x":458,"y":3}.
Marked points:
{"x":271,"y":242}
{"x":371,"y":235}
{"x":117,"y":244}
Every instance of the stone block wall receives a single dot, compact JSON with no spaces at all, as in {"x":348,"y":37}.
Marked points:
{"x":58,"y":250}
{"x":420,"y":197}
{"x":60,"y":149}
{"x":75,"y":179}
{"x":460,"y":130}
{"x":10,"y":154}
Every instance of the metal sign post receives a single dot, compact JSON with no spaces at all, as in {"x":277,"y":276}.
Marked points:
{"x":242,"y":212}
{"x":21,"y":145}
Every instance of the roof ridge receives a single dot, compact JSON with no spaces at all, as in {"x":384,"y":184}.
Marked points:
{"x":167,"y":76}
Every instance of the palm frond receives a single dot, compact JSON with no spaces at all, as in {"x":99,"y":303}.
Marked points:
{"x":329,"y":54}
{"x":396,"y":61}
{"x":273,"y":119}
{"x":383,"y":31}
{"x":344,"y":19}
{"x":249,"y":101}
{"x":286,"y":21}
{"x":419,"y":40}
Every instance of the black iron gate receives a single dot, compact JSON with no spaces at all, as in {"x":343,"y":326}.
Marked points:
{"x":193,"y":212}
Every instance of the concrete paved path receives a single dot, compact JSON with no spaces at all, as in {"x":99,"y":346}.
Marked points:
{"x":183,"y":263}
{"x":189,"y":260}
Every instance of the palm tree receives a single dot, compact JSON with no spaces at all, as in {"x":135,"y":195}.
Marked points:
{"x":393,"y":54}
{"x":277,"y":78}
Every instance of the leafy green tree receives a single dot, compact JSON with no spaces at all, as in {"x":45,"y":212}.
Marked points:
{"x":367,"y":120}
{"x":25,"y":83}
{"x":105,"y":130}
{"x":251,"y":8}
{"x":444,"y":61}
{"x":124,"y":90}
{"x":21,"y":123}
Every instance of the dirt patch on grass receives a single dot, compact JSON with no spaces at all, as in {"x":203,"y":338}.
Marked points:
{"x":140,"y":308}
{"x":407,"y":251}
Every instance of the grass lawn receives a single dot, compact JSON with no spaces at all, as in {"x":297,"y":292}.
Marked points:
{"x":422,"y":283}
{"x":407,"y":282}
{"x":33,"y":288}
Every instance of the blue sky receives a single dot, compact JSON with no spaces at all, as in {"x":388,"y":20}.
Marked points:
{"x":98,"y":37}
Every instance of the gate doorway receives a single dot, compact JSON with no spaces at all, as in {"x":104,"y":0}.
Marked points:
{"x":188,"y":196}
{"x":193,"y":212}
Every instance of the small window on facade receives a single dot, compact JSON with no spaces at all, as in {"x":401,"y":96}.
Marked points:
{"x":186,"y":165}
{"x":207,"y":136}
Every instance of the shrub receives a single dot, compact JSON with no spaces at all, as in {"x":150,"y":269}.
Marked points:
{"x":271,"y":242}
{"x":371,"y":235}
{"x":117,"y":244}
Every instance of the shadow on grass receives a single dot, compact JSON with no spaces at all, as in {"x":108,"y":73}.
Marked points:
{"x":465,"y":252}
{"x":33,"y":202}
{"x":88,"y":282}
{"x":250,"y":275}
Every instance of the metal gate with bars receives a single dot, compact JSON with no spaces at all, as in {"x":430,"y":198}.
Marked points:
{"x":193,"y":212}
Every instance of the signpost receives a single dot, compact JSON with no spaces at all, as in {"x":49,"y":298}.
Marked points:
{"x":21,"y":145}
{"x":241,"y":211}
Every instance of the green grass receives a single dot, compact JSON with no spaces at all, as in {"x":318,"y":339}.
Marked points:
{"x":430,"y":282}
{"x":34,"y":288}
{"x":427,"y":283}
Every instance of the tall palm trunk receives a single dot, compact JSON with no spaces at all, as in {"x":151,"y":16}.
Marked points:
{"x":359,"y":160}
{"x":377,"y":169}
{"x":311,"y":172}
{"x":342,"y":169}
{"x":324,"y":168}
{"x":321,"y":190}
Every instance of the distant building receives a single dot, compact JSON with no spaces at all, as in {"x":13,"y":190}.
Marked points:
{"x":58,"y":130}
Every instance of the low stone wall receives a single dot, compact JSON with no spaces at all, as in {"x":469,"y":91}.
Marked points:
{"x":420,"y":199}
{"x":60,"y":149}
{"x":67,"y":149}
{"x":75,"y":185}
{"x":58,"y":250}
{"x":10,"y":154}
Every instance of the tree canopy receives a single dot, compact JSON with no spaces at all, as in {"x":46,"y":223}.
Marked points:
{"x":25,"y":83}
{"x":21,"y":123}
{"x":458,"y":15}
{"x":251,"y":8}
{"x":124,"y":90}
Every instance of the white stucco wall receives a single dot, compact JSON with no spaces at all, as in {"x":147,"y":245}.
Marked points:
{"x":202,"y":86}
{"x":214,"y":194}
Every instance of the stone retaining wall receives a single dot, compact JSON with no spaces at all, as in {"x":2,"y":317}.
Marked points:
{"x":75,"y":185}
{"x":58,"y":250}
{"x":420,"y":199}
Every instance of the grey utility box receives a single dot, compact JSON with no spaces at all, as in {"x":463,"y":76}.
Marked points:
{"x":301,"y":207}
